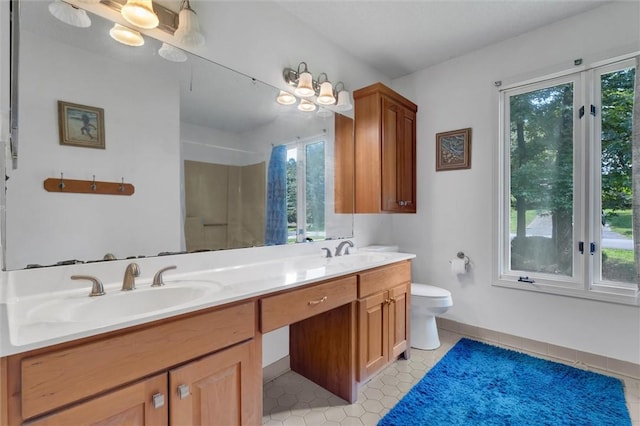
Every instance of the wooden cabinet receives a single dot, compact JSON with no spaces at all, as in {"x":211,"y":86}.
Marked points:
{"x":383,"y":317}
{"x":112,"y":379}
{"x":385,"y":151}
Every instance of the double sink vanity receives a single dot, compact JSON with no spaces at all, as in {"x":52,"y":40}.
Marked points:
{"x":190,"y":351}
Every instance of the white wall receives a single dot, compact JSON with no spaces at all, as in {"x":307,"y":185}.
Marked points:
{"x":142,"y":145}
{"x":455,"y":208}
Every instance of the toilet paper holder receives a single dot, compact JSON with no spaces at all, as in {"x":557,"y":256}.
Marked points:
{"x":461,"y":255}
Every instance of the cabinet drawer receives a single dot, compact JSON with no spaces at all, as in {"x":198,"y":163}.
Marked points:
{"x":296,"y":305}
{"x":60,"y":377}
{"x":383,"y":278}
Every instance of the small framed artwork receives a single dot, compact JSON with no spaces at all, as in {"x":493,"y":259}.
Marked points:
{"x":81,"y":125}
{"x":453,"y":150}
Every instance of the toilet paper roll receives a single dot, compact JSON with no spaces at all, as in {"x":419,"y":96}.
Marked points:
{"x":458,"y":266}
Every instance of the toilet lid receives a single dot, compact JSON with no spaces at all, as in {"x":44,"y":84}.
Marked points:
{"x":429,"y":290}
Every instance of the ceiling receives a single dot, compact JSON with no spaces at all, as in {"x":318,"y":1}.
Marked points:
{"x":399,"y":37}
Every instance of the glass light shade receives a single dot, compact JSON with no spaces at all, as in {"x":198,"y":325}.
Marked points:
{"x":188,"y":32}
{"x":326,"y":94}
{"x":126,"y":35}
{"x":171,"y":53}
{"x":140,"y":13}
{"x":69,"y":15}
{"x":306,"y":106}
{"x":344,"y":101}
{"x":285,"y":98}
{"x":305,"y":85}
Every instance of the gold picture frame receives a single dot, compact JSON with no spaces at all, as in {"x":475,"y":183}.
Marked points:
{"x":81,"y":125}
{"x":453,"y":150}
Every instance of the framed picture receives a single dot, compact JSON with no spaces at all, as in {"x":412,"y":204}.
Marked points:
{"x":453,"y":150}
{"x":81,"y":125}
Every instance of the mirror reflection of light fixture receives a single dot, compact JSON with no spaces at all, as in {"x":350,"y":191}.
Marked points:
{"x":140,"y":13}
{"x":306,"y":106}
{"x":69,"y":14}
{"x":344,"y":98}
{"x":126,"y":35}
{"x":326,"y":91}
{"x":188,"y":32}
{"x":171,"y":53}
{"x":285,"y":98}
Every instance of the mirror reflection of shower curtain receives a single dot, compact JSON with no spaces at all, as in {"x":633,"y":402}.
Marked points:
{"x":276,"y":222}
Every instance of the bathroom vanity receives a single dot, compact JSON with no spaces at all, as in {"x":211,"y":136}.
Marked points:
{"x":348,"y":318}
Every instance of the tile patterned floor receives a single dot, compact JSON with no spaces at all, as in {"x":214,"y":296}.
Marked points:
{"x":292,"y":400}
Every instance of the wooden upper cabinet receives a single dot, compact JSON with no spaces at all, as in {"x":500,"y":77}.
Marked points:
{"x":385,"y":151}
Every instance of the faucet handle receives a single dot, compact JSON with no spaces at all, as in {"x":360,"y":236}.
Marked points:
{"x":157,"y":278}
{"x":328,"y":252}
{"x":97,"y":289}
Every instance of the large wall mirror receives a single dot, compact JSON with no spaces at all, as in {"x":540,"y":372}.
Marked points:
{"x":202,"y":145}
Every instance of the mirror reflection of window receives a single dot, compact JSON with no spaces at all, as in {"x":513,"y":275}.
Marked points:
{"x":306,"y":190}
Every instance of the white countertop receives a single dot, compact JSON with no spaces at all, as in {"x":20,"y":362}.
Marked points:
{"x":34,"y":319}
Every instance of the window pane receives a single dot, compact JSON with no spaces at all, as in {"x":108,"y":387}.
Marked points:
{"x":541,"y":198}
{"x":315,"y":190}
{"x":616,"y":90}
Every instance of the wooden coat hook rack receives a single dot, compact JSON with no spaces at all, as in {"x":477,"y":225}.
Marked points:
{"x":88,"y":186}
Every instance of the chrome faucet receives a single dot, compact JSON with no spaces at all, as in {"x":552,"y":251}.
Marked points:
{"x":97,"y":289}
{"x":342,"y":244}
{"x":327,"y":252}
{"x":130,"y":274}
{"x":157,"y":278}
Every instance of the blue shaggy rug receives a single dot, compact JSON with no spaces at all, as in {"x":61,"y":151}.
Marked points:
{"x":480,"y":384}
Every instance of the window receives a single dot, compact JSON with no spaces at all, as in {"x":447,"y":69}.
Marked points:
{"x":306,"y":190}
{"x":566,"y":196}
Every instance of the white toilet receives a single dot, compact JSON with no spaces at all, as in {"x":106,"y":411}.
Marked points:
{"x":427,"y":301}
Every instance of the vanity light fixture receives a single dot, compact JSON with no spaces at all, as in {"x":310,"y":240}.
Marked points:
{"x":140,"y":13}
{"x":306,"y":106}
{"x":69,"y":14}
{"x":344,"y":98}
{"x":171,"y":53}
{"x":188,"y":32}
{"x":285,"y":98}
{"x":306,"y":86}
{"x":326,"y":91}
{"x":126,"y":35}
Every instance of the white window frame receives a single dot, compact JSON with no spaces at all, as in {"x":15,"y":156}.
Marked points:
{"x":585,"y":199}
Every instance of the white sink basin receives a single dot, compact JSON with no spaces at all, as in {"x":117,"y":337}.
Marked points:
{"x":117,"y":305}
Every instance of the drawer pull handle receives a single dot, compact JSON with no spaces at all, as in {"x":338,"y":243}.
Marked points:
{"x":158,"y":400}
{"x":316,"y":302}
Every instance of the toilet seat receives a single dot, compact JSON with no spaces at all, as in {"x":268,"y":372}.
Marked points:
{"x":428,"y":291}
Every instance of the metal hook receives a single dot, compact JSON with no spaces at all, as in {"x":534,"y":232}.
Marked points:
{"x":121,"y":189}
{"x":61,"y":184}
{"x":93,"y":185}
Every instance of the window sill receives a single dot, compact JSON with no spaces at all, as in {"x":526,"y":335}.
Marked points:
{"x":601,"y":293}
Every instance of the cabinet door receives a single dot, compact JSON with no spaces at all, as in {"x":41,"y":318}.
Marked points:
{"x":400,"y":300}
{"x":219,"y":389}
{"x":406,"y":152}
{"x":398,"y":157}
{"x":134,"y":405}
{"x":391,"y":131}
{"x":373,"y":334}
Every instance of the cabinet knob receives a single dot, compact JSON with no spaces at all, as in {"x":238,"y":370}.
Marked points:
{"x":183,"y":391}
{"x":157,"y":400}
